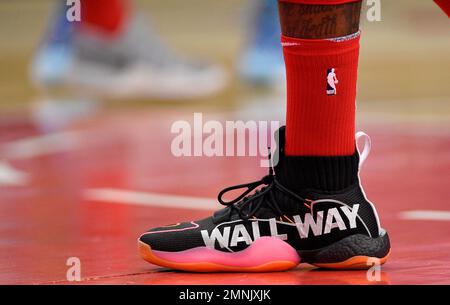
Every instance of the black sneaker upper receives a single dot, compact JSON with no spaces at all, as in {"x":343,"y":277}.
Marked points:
{"x":307,"y":214}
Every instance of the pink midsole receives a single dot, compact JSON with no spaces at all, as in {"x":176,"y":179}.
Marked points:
{"x":264,"y":250}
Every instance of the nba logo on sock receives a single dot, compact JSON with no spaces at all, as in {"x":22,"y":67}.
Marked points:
{"x":331,"y":81}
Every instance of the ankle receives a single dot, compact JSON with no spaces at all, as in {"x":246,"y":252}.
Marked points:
{"x":318,"y":172}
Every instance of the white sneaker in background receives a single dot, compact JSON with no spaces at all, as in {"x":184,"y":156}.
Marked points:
{"x":135,"y":64}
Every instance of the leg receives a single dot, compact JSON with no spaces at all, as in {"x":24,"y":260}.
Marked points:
{"x":313,"y":209}
{"x":114,"y":53}
{"x":319,"y":21}
{"x":318,"y":124}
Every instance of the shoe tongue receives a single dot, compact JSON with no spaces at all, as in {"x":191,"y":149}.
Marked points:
{"x":220,"y":215}
{"x":224,"y":215}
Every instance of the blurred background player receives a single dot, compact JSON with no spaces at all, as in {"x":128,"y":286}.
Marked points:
{"x":113,"y":53}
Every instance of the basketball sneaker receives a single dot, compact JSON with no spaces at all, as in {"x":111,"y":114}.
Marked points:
{"x":134,"y":64}
{"x":309,"y":209}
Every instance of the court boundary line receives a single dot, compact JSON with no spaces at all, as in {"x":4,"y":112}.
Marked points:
{"x":436,"y":215}
{"x":139,"y":198}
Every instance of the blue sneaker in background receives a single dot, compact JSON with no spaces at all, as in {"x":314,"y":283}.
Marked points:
{"x":54,"y":56}
{"x":261,"y":62}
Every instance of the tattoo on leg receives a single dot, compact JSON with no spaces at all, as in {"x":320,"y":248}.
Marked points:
{"x":319,"y":21}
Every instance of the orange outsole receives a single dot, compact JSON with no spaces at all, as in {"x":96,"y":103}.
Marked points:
{"x":148,"y":255}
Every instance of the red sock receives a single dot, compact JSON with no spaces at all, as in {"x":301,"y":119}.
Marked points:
{"x":108,"y":16}
{"x":321,"y":113}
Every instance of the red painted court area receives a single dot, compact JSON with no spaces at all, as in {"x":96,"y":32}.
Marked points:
{"x":94,"y":188}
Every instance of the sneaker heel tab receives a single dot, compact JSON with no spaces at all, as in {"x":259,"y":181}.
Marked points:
{"x":278,"y":151}
{"x":364,"y":153}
